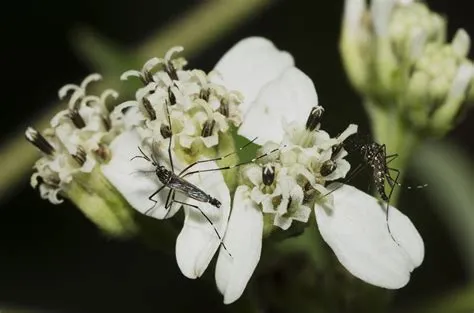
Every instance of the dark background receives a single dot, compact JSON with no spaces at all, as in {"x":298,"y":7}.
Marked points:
{"x":51,"y":257}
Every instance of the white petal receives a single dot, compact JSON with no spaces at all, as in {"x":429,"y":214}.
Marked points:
{"x":286,"y":99}
{"x":135,"y":179}
{"x":197,"y":243}
{"x":282,"y":222}
{"x":461,"y":81}
{"x":249,"y":65}
{"x":244,"y":241}
{"x":353,"y":14}
{"x":355,"y":228}
{"x":381,"y":13}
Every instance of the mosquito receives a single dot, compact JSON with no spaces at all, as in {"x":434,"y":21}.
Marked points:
{"x":374,"y":156}
{"x":176,"y":182}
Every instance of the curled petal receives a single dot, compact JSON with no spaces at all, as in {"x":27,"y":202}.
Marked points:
{"x":355,"y":228}
{"x":250,"y":65}
{"x":198,"y":242}
{"x":244,"y":241}
{"x":284,"y":100}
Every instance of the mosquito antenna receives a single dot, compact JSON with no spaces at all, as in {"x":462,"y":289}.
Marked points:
{"x":235,"y":165}
{"x":217,"y":158}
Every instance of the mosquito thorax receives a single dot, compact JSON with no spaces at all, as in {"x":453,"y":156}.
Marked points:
{"x":163,"y":174}
{"x":268,"y":175}
{"x":314,"y":118}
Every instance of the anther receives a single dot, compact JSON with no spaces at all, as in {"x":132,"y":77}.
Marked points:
{"x":149,"y":108}
{"x":204,"y":94}
{"x":327,"y":168}
{"x":224,"y":108}
{"x":76,"y":118}
{"x":165,"y":131}
{"x":314,"y":118}
{"x":208,"y":128}
{"x":80,"y":156}
{"x":33,"y":136}
{"x":268,"y":175}
{"x":171,"y":96}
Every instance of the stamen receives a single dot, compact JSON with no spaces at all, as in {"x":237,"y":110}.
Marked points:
{"x":208,"y":128}
{"x":171,"y":96}
{"x":314,"y":118}
{"x":165,"y":131}
{"x":224,"y":108}
{"x":33,"y":136}
{"x":204,"y":94}
{"x":76,"y":118}
{"x":268,"y":175}
{"x":327,"y":168}
{"x":80,"y":156}
{"x":149,"y":108}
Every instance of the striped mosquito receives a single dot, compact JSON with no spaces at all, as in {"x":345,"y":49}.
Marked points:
{"x":176,"y":182}
{"x":374,"y":156}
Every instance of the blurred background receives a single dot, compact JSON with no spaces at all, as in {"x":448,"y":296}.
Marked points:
{"x":53,"y":258}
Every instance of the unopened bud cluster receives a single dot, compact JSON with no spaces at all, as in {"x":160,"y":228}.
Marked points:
{"x":396,"y":54}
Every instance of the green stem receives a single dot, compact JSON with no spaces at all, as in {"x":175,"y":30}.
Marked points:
{"x":459,"y":301}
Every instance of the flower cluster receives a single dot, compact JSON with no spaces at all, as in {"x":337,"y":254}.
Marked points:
{"x":395,"y":52}
{"x":162,"y":152}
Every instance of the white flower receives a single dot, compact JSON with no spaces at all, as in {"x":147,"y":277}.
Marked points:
{"x":345,"y":218}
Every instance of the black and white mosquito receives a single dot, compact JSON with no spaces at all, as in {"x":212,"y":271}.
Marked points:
{"x":176,"y":182}
{"x":374,"y":156}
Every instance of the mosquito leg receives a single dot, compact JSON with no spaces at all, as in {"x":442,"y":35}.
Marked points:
{"x":208,"y":219}
{"x":218,"y":158}
{"x":143,"y":156}
{"x":231,"y":166}
{"x":400,"y":185}
{"x":169,"y":202}
{"x":151,"y":199}
{"x":392,"y":183}
{"x":351,"y":176}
